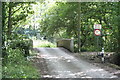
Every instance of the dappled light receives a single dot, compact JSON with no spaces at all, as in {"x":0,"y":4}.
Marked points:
{"x":43,"y":43}
{"x":56,"y":39}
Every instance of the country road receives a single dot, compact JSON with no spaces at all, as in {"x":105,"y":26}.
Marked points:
{"x":62,"y":64}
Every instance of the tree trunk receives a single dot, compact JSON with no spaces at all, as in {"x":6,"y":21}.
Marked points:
{"x":3,"y":32}
{"x":118,"y":27}
{"x":0,"y":27}
{"x":79,"y":26}
{"x":9,"y":20}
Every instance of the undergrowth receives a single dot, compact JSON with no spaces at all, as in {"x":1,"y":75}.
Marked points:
{"x":43,"y":43}
{"x":16,"y":66}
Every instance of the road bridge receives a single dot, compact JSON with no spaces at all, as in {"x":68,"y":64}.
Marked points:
{"x":62,"y":64}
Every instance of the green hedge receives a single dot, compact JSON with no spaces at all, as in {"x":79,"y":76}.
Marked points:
{"x":24,"y":45}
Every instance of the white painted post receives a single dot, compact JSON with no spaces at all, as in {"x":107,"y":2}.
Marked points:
{"x":103,"y":58}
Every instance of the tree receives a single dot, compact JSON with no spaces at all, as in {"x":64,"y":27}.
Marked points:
{"x":118,"y":26}
{"x":13,"y":15}
{"x":62,"y":19}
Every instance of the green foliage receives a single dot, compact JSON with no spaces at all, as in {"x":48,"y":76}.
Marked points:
{"x":17,"y":67}
{"x":44,"y":43}
{"x":61,"y":21}
{"x":19,"y":71}
{"x":23,"y":45}
{"x":13,"y":56}
{"x":15,"y":47}
{"x":14,"y":15}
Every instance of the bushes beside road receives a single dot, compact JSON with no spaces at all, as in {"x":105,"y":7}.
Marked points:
{"x":17,"y":66}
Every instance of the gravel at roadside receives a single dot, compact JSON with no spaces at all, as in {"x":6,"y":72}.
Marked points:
{"x":114,"y":69}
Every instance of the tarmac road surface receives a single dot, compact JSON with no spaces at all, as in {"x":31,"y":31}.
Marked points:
{"x":62,"y":64}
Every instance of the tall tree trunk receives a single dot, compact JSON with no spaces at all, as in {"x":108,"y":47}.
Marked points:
{"x":79,"y":26}
{"x":118,"y":26}
{"x":3,"y":32}
{"x":9,"y":20}
{"x":3,"y":23}
{"x":0,"y":27}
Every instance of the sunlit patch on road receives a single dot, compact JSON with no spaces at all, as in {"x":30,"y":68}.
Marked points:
{"x":94,"y":70}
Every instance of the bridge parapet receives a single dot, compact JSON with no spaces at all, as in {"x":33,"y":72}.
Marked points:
{"x":66,"y":43}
